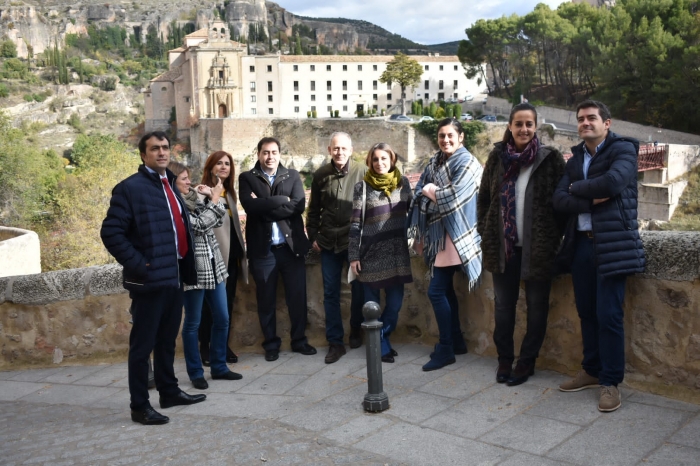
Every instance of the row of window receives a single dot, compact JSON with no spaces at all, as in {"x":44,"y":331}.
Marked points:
{"x":345,"y":68}
{"x":329,"y":97}
{"x":329,"y":85}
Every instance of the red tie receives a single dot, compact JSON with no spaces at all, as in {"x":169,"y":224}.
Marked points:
{"x":177,"y":216}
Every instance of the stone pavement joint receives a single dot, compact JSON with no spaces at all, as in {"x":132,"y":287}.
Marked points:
{"x":299,"y":410}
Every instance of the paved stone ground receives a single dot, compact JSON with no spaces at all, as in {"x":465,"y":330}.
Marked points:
{"x":298,"y":410}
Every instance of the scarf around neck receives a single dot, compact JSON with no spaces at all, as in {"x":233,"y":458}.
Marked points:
{"x":454,"y":212}
{"x":513,"y":162}
{"x":384,"y":183}
{"x":190,"y":200}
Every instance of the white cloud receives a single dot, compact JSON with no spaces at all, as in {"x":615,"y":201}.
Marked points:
{"x":422,"y":21}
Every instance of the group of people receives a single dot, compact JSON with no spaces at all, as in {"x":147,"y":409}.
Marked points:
{"x":525,"y":216}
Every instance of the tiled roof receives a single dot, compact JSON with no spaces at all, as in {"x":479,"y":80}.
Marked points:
{"x":201,"y":33}
{"x":168,"y":76}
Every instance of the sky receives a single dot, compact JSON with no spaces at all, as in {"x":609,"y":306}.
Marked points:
{"x":423,"y":21}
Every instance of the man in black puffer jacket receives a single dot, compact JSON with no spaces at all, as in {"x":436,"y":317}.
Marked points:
{"x":147,"y":231}
{"x":601,"y":245}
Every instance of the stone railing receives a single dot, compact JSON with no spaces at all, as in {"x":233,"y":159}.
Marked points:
{"x":20,"y":252}
{"x":82,"y":315}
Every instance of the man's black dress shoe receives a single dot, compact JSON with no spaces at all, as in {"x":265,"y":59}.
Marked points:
{"x":148,"y":417}
{"x":231,"y":357}
{"x":521,"y":373}
{"x":504,"y":370}
{"x":388,"y":358}
{"x":230,"y":375}
{"x":394,"y":353}
{"x":272,"y":355}
{"x":181,"y":398}
{"x":200,"y":384}
{"x":356,"y":337}
{"x":305,"y":349}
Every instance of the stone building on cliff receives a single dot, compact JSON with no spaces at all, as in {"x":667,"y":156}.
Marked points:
{"x":212,"y":77}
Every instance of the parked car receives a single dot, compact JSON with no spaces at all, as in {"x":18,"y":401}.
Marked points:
{"x":395,"y":116}
{"x":426,"y":118}
{"x":401,"y":118}
{"x":466,"y":117}
{"x":468,"y":98}
{"x":489,"y":118}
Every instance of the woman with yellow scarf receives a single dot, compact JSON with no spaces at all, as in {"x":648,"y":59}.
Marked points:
{"x":378,"y":248}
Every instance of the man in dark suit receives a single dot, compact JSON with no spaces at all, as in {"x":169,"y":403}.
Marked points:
{"x":273,"y":198}
{"x":147,"y":231}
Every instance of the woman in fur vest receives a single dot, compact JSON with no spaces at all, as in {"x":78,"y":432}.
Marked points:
{"x":520,"y":236}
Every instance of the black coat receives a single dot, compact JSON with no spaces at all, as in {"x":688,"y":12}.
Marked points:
{"x":138,"y":232}
{"x":283,"y":202}
{"x":612,"y":174}
{"x":542,"y":228}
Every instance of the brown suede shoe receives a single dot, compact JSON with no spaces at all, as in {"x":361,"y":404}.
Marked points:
{"x":335,"y":352}
{"x":609,"y":399}
{"x":580,"y":382}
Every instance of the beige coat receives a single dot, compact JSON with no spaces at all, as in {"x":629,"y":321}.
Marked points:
{"x":223,"y":237}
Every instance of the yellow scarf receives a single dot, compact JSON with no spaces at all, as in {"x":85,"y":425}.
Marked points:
{"x":385,"y":183}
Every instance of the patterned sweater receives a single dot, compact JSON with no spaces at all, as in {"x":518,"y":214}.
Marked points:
{"x":383,"y":252}
{"x":203,"y":220}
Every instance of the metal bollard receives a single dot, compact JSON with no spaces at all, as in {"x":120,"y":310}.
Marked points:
{"x":375,"y":399}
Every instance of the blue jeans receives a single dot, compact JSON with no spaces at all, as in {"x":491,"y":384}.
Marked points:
{"x":599,"y":304}
{"x":331,"y":269}
{"x":216,"y":299}
{"x":441,"y":293}
{"x":390,"y":316}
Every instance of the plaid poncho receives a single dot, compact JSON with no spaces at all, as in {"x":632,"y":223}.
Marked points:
{"x":454,"y":213}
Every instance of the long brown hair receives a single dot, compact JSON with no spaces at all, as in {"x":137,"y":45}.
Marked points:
{"x":521,"y":107}
{"x":209,"y":165}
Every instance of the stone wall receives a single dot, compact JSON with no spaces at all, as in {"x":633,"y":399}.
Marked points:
{"x":20,"y":252}
{"x":303,"y":140}
{"x":81,"y":316}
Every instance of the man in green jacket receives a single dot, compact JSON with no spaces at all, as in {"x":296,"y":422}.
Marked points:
{"x":328,"y":226}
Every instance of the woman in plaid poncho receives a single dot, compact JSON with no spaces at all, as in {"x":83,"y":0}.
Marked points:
{"x":442,"y":222}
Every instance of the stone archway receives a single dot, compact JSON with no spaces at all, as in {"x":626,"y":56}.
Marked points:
{"x":223,"y":113}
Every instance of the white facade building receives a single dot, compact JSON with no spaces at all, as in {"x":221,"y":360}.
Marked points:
{"x":212,"y":77}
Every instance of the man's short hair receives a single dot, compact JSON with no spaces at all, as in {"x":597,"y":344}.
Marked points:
{"x":160,"y":135}
{"x":339,"y":133}
{"x":603,"y":110}
{"x":264,"y":141}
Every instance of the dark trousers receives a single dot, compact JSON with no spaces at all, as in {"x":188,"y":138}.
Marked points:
{"x":265,"y":270}
{"x":599,"y":303}
{"x":506,"y":287}
{"x":332,"y":270}
{"x":206,"y":322}
{"x":156,"y":316}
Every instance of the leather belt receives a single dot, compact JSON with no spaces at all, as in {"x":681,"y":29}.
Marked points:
{"x":588,"y":233}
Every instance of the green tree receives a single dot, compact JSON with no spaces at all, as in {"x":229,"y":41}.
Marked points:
{"x":28,"y":179}
{"x":404,"y":71}
{"x":82,"y":199}
{"x":297,"y":49}
{"x":8,"y":49}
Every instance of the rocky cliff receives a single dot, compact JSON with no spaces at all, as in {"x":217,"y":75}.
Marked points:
{"x":34,"y":25}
